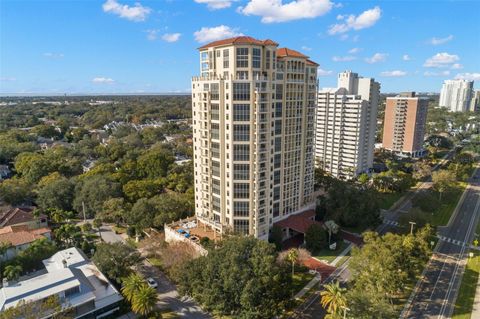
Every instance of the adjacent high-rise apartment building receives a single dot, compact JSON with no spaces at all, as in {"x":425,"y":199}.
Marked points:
{"x":253,"y":128}
{"x":475,"y":103}
{"x":456,"y":95}
{"x":404,"y":124}
{"x":346,"y":125}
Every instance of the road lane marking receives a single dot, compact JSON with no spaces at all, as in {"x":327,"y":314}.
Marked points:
{"x":457,"y":265}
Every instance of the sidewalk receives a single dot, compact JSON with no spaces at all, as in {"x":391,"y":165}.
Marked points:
{"x":341,"y":255}
{"x":312,"y":283}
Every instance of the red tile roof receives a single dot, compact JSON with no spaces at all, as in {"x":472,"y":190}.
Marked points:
{"x":299,"y":222}
{"x":310,"y":62}
{"x":19,"y":215}
{"x":283,"y":52}
{"x":238,"y":40}
{"x":20,"y":236}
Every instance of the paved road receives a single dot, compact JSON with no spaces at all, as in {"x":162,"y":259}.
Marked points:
{"x":311,"y":308}
{"x":168,"y":297}
{"x":435,"y":294}
{"x":109,"y":236}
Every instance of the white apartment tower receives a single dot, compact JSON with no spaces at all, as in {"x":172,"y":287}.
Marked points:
{"x":456,"y":95}
{"x":253,"y":122}
{"x":346,"y":124}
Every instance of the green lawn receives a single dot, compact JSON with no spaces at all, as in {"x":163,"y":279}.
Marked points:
{"x":329,"y":255}
{"x":464,"y":304}
{"x":449,"y":202}
{"x":440,"y":216}
{"x":300,"y":279}
{"x":388,"y":199}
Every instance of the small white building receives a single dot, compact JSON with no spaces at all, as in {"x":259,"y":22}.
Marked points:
{"x":74,"y":279}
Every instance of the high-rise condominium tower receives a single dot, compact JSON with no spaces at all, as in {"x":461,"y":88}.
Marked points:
{"x":253,"y":126}
{"x":475,"y":103}
{"x":456,"y":95}
{"x":404,"y":124}
{"x":346,"y":124}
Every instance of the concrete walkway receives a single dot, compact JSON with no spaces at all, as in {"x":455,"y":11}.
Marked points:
{"x":341,"y":255}
{"x":312,"y":283}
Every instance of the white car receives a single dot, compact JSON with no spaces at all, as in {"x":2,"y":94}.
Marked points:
{"x":152,"y":283}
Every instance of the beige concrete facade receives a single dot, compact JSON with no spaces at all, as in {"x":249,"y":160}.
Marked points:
{"x":404,"y":124}
{"x":345,"y":126}
{"x":253,"y":109}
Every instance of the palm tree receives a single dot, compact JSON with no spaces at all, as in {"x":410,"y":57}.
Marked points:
{"x":292,"y":257}
{"x":144,"y":300}
{"x":132,"y":285}
{"x":12,"y":272}
{"x":333,"y":300}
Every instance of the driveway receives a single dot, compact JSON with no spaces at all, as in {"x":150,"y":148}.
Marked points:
{"x":109,"y":236}
{"x":168,"y":295}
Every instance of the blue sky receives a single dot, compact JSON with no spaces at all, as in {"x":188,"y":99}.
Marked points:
{"x":123,"y":46}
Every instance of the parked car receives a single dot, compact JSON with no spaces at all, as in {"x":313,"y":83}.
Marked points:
{"x":152,"y":283}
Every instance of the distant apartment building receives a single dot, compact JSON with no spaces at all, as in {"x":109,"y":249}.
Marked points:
{"x":253,"y":126}
{"x":70,"y":276}
{"x":475,"y":103}
{"x":404,"y":124}
{"x":346,"y":124}
{"x":456,"y":95}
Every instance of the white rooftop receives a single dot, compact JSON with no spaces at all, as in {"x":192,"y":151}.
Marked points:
{"x":66,"y":269}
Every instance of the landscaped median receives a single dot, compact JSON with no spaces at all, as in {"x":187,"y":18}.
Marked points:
{"x":468,"y":288}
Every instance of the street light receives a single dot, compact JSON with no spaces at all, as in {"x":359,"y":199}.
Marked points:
{"x":411,"y":227}
{"x":345,"y":309}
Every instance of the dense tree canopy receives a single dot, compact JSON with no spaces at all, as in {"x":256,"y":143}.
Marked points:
{"x":115,"y":259}
{"x":241,"y":278}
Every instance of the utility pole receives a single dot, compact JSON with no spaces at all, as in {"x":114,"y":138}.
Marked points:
{"x":411,"y":227}
{"x":83,"y":208}
{"x":345,"y":309}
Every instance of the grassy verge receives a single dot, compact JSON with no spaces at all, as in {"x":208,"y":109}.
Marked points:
{"x":388,"y":199}
{"x":466,"y":296}
{"x":119,"y":230}
{"x":329,"y":255}
{"x":441,"y":215}
{"x":300,"y":280}
{"x":168,"y":314}
{"x":155,"y":262}
{"x":449,"y":202}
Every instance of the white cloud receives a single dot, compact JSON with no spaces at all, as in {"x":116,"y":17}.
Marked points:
{"x":364,"y":20}
{"x":53,"y":55}
{"x":343,"y":58}
{"x":443,"y":73}
{"x":171,"y":37}
{"x":216,"y":4}
{"x":441,"y":60}
{"x":438,"y":41}
{"x":456,"y":66}
{"x":354,"y":50}
{"x":215,"y":33}
{"x":273,"y":11}
{"x":152,"y":34}
{"x":468,"y":76}
{"x":102,"y":80}
{"x":393,"y":74}
{"x":377,"y":57}
{"x":132,"y":13}
{"x":305,"y":48}
{"x":406,"y":57}
{"x":7,"y":79}
{"x":321,"y":72}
